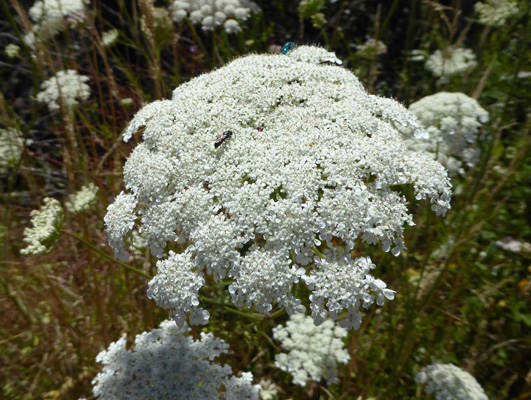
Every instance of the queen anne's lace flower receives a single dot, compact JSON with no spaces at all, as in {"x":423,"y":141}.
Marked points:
{"x":66,"y":87}
{"x":47,"y":224}
{"x":371,"y":47}
{"x":451,"y":61}
{"x":82,"y":200}
{"x":452,"y":121}
{"x":52,"y":16}
{"x":12,"y":50}
{"x":449,"y":382}
{"x":496,"y":12}
{"x":165,"y":364}
{"x":109,"y":38}
{"x":11,"y":146}
{"x":308,"y":165}
{"x":311,"y":350}
{"x":213,"y":13}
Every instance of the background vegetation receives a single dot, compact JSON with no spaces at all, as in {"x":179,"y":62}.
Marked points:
{"x":462,"y":297}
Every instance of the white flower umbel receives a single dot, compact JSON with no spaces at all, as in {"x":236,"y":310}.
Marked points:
{"x":311,"y":351}
{"x":451,"y":61}
{"x":11,"y":147}
{"x":268,"y":390}
{"x":371,"y":48}
{"x":496,"y":12}
{"x":47,"y":222}
{"x":453,"y":121}
{"x":12,"y":50}
{"x":82,"y":200}
{"x":211,"y":14}
{"x":53,"y":16}
{"x":449,"y":382}
{"x":261,"y":166}
{"x":165,"y":364}
{"x":66,"y":87}
{"x":109,"y":38}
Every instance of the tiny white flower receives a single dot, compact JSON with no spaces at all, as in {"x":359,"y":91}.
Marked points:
{"x":109,"y":38}
{"x":12,"y":50}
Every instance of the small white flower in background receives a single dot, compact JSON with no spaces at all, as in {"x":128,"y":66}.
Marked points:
{"x":452,"y":121}
{"x":268,"y":390}
{"x":11,"y":147}
{"x":109,"y":38}
{"x":510,"y":244}
{"x":52,"y":16}
{"x":65,"y":87}
{"x":311,"y":351}
{"x":12,"y":50}
{"x":165,"y":364}
{"x":270,"y":168}
{"x":451,"y":61}
{"x":126,"y":102}
{"x":82,"y":200}
{"x":449,"y":382}
{"x":214,"y":13}
{"x":371,"y":48}
{"x":47,"y":222}
{"x":496,"y":12}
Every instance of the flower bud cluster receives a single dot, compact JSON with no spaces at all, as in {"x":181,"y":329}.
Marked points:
{"x":263,"y":165}
{"x":451,"y":61}
{"x":311,"y":351}
{"x":449,"y":382}
{"x":66,"y":87}
{"x":166,"y":364}
{"x":213,"y":13}
{"x":452,"y":121}
{"x":82,"y":200}
{"x":47,"y":224}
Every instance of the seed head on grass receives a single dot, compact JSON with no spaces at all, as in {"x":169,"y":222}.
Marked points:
{"x":309,"y":169}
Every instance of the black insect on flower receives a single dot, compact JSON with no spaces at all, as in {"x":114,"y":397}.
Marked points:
{"x":287,"y":47}
{"x":219,"y":141}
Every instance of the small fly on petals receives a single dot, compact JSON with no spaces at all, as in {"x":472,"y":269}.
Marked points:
{"x":287,"y":47}
{"x":219,"y":141}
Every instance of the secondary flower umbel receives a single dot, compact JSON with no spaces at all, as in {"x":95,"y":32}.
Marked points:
{"x":309,"y":169}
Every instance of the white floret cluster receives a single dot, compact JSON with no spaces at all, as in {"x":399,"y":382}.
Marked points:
{"x":66,"y":87}
{"x":108,"y":38}
{"x":213,"y":13}
{"x":371,"y":48}
{"x":11,"y":147}
{"x":452,"y":121}
{"x":83,"y":200}
{"x":166,"y":364}
{"x":12,"y":50}
{"x":47,"y":222}
{"x":449,"y":382}
{"x":311,"y":351}
{"x":310,"y":166}
{"x":451,"y":61}
{"x":53,"y":16}
{"x":496,"y":12}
